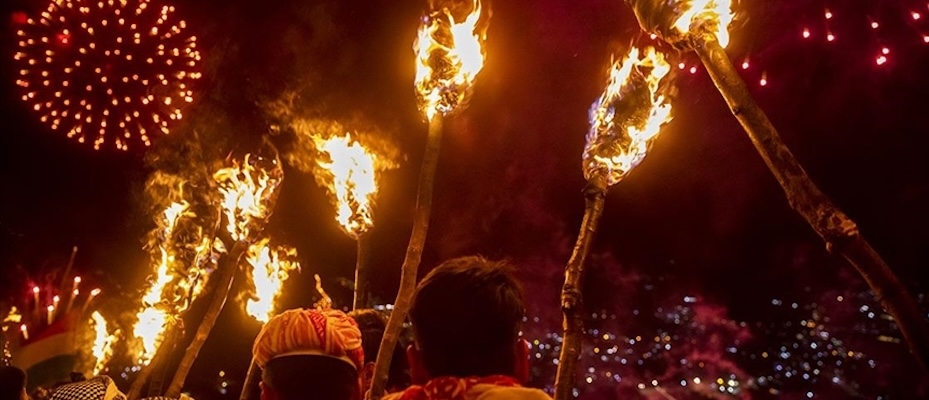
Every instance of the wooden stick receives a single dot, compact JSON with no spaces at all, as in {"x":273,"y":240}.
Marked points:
{"x":361,"y":275}
{"x":251,"y":380}
{"x":838,"y":230}
{"x":413,"y":257}
{"x":220,"y":294}
{"x":571,"y":296}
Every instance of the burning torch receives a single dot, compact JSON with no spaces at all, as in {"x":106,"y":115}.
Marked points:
{"x":702,"y":25}
{"x":449,"y":55}
{"x":353,"y":186}
{"x":624,"y":122}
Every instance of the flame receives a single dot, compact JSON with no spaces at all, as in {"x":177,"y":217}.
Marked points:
{"x":245,"y":189}
{"x":353,"y":182}
{"x":715,"y":14}
{"x":449,"y":56}
{"x":153,"y":318}
{"x":628,"y":116}
{"x":103,"y":342}
{"x":270,"y":268}
{"x":177,"y":280}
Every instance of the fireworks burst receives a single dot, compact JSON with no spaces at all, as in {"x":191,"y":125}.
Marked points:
{"x":114,"y":71}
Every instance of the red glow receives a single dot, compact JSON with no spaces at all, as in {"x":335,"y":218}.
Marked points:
{"x":806,"y":33}
{"x":926,"y":38}
{"x":881,"y":60}
{"x":830,"y":37}
{"x":915,"y":15}
{"x":828,"y":14}
{"x":745,"y":64}
{"x":875,"y":25}
{"x":19,"y":18}
{"x":885,"y":51}
{"x":763,"y":82}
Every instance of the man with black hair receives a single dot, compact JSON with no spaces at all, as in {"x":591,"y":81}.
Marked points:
{"x":372,"y":325}
{"x":12,"y":383}
{"x":466,"y":317}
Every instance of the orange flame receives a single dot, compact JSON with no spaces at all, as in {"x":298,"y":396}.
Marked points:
{"x":175,"y":284}
{"x":715,"y":15}
{"x":246,"y":189}
{"x":270,"y":268}
{"x":103,"y":342}
{"x":449,"y":56}
{"x":153,"y":318}
{"x":353,"y":182}
{"x":628,"y":116}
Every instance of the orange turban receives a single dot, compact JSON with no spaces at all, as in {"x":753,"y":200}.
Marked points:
{"x":329,"y":333}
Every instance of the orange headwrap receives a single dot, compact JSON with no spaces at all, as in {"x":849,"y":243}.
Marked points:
{"x":328,"y":333}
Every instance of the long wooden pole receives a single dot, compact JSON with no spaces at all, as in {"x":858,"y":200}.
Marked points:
{"x":220,"y":294}
{"x":571,"y":295}
{"x":414,"y":252}
{"x":361,"y":275}
{"x":251,"y":380}
{"x":838,"y":230}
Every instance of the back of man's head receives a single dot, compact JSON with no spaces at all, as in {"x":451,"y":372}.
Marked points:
{"x":466,"y":317}
{"x":372,"y":325}
{"x":300,"y":377}
{"x":309,"y":354}
{"x":12,"y":383}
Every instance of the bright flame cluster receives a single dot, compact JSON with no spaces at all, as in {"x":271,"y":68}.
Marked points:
{"x":448,"y":57}
{"x":107,"y":71}
{"x":175,"y":284}
{"x":270,"y":268}
{"x":628,"y":115}
{"x":715,"y":15}
{"x":153,"y":318}
{"x":103,"y":342}
{"x":246,"y":189}
{"x":353,"y":181}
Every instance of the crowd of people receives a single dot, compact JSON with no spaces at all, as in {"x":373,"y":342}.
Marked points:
{"x":465,"y":318}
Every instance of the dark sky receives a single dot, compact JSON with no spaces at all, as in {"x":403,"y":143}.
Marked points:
{"x":701,"y":213}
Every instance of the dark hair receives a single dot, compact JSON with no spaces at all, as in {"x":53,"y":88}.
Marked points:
{"x":372,"y":325}
{"x":12,"y":382}
{"x":466,"y":316}
{"x":300,"y":377}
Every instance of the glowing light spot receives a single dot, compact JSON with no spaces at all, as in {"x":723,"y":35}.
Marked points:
{"x":881,"y":60}
{"x":830,"y":37}
{"x":806,"y":33}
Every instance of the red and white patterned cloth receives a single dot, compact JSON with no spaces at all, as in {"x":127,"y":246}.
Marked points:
{"x":471,"y":388}
{"x":329,"y":333}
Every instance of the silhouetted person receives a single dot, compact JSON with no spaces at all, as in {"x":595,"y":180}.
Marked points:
{"x":466,"y":317}
{"x":372,"y":325}
{"x":310,"y":355}
{"x":12,"y":383}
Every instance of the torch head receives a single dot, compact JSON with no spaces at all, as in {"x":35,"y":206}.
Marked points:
{"x":677,"y":21}
{"x":626,"y":118}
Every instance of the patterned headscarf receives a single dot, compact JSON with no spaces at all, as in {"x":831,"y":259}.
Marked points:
{"x":96,"y":388}
{"x":328,"y":333}
{"x":453,"y":388}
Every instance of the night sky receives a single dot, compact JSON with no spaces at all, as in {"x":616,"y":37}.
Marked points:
{"x":700,"y":224}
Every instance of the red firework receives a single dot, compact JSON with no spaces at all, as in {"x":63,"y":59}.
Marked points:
{"x":112,"y":71}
